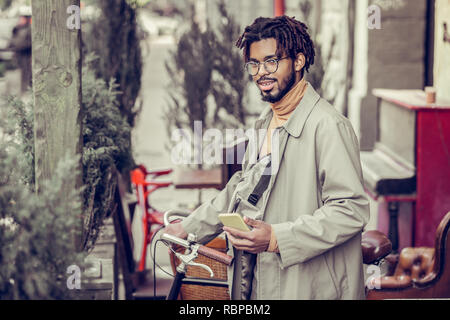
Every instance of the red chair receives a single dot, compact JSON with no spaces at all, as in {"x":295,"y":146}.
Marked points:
{"x":152,"y":219}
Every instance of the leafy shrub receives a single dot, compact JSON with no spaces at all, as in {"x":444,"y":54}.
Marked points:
{"x":20,"y":130}
{"x":113,"y":35}
{"x":36,"y":231}
{"x":107,"y":143}
{"x":230,"y":82}
{"x":106,"y":140}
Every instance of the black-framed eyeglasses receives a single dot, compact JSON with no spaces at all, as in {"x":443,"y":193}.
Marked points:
{"x":271,"y":66}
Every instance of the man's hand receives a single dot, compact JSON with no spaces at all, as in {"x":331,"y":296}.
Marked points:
{"x":255,"y":241}
{"x":177,"y":230}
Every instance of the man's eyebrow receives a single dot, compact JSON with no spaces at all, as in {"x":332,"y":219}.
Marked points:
{"x":270,"y":57}
{"x":265,"y":58}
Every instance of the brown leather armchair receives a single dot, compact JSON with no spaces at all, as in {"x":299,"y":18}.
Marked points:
{"x":375,"y":247}
{"x":418,"y":272}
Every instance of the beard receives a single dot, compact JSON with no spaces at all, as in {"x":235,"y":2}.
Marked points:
{"x":276,"y":98}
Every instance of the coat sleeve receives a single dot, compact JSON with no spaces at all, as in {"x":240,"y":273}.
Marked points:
{"x":345,"y":209}
{"x":204,"y":221}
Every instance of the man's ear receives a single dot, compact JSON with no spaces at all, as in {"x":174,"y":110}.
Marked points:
{"x":300,"y":62}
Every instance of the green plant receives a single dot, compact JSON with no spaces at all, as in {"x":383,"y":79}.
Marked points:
{"x":5,"y":4}
{"x":106,"y":139}
{"x":106,"y":144}
{"x":317,"y":71}
{"x":208,"y":83}
{"x":190,"y":69}
{"x":2,"y":69}
{"x":230,"y":82}
{"x":113,"y":36}
{"x":21,"y":131}
{"x":36,"y":231}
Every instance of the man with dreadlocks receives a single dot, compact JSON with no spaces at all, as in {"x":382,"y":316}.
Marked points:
{"x":307,"y":216}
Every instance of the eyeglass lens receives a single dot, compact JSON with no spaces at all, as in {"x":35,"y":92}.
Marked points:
{"x":270,"y":66}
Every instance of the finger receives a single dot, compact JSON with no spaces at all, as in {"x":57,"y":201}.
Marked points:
{"x":244,"y":245}
{"x":238,"y":233}
{"x":251,"y":222}
{"x":239,"y":243}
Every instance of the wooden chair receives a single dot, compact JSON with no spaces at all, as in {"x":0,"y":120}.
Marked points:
{"x":144,"y":184}
{"x":420,"y":273}
{"x":138,"y":285}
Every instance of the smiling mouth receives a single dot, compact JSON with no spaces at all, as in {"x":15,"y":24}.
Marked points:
{"x":266,"y":85}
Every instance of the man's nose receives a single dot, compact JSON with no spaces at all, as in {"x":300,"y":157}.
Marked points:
{"x":262,"y":72}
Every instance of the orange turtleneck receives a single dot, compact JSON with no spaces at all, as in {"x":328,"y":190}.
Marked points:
{"x":282,"y":110}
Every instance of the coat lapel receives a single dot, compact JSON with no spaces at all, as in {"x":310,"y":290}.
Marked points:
{"x":253,"y":146}
{"x":293,"y":127}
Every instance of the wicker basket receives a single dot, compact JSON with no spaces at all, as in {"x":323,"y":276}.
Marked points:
{"x":196,"y":292}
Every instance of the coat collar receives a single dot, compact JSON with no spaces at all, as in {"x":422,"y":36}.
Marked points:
{"x":294,"y":126}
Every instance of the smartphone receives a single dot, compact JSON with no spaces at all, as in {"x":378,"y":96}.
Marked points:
{"x":234,"y":220}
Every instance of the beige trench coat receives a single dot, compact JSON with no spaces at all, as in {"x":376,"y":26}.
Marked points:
{"x":316,"y":205}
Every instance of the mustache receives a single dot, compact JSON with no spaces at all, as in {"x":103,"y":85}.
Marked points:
{"x":266,"y":79}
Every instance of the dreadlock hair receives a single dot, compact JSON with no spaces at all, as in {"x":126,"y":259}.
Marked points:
{"x":291,"y":35}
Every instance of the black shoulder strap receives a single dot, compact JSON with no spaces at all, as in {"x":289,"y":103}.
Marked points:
{"x":261,"y":186}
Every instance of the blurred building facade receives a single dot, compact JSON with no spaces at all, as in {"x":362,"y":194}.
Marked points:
{"x":393,"y":55}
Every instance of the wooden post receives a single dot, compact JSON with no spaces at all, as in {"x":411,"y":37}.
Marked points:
{"x":56,"y":50}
